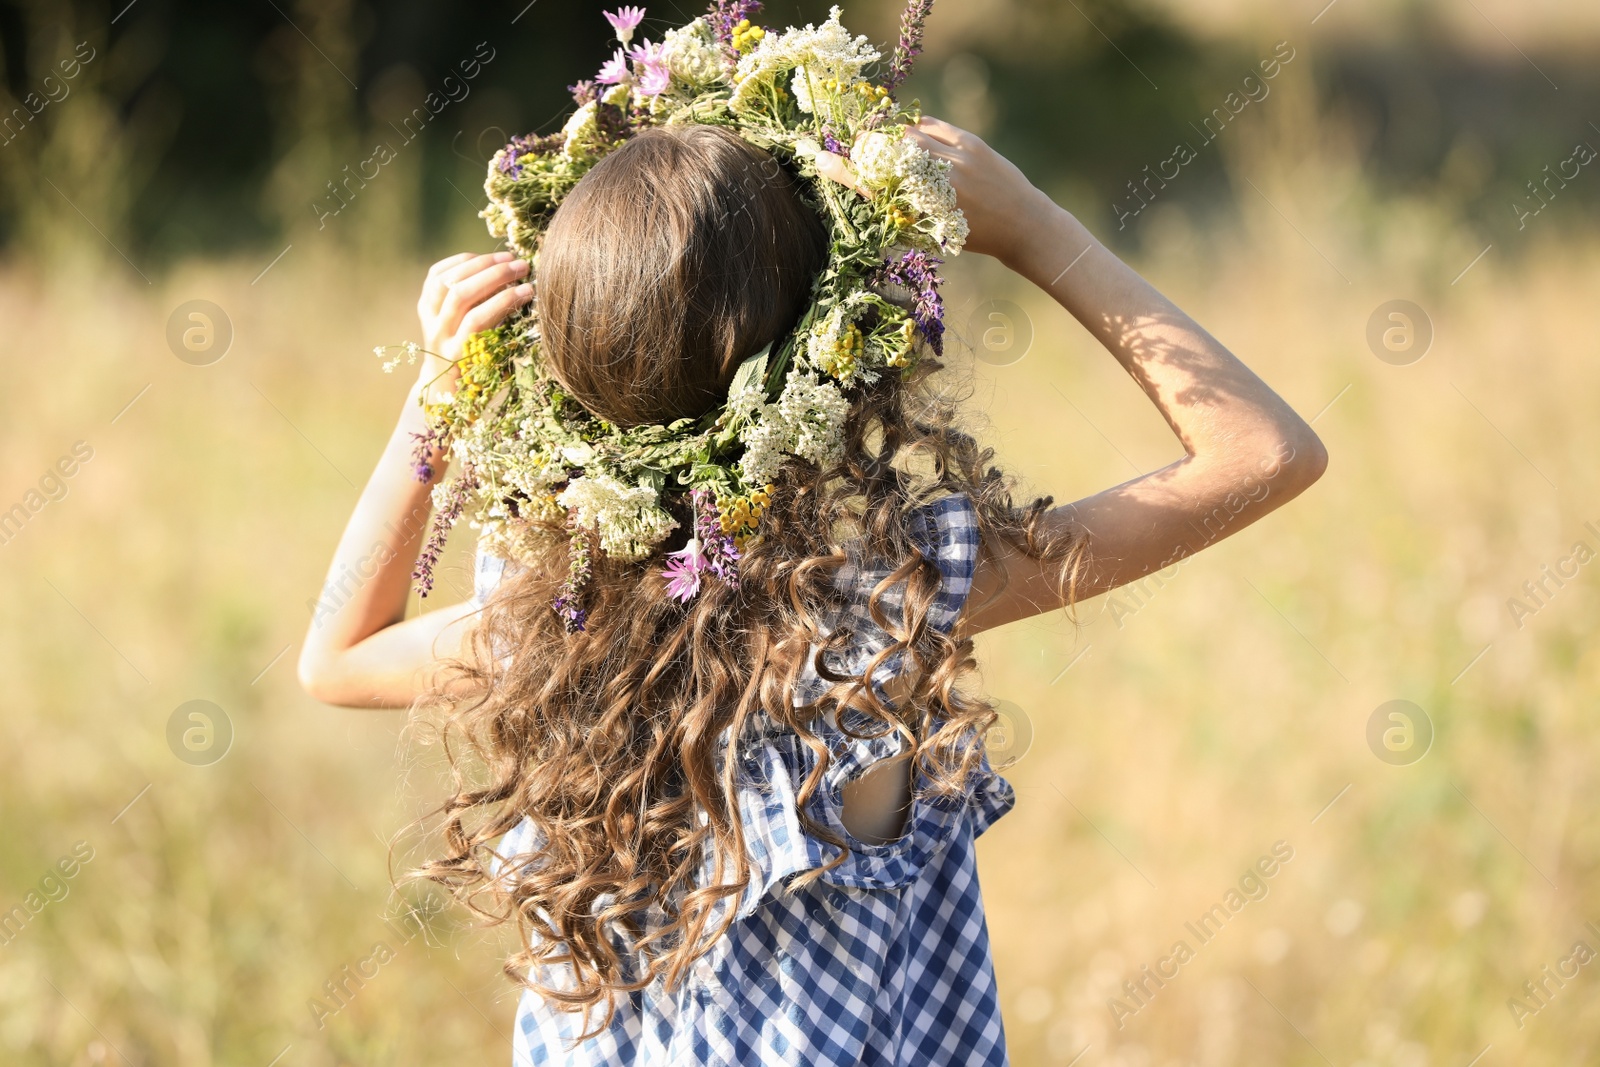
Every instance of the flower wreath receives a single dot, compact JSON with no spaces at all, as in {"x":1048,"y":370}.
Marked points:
{"x":529,"y":454}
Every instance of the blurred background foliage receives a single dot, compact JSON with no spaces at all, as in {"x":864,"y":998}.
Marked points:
{"x":207,"y":129}
{"x":1177,"y":733}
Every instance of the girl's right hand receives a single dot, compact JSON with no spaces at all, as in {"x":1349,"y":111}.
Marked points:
{"x":462,"y":295}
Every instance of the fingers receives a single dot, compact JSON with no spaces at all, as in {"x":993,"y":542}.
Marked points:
{"x":472,"y":266}
{"x":940,"y":130}
{"x":838,"y":169}
{"x":432,"y":290}
{"x":493,"y":311}
{"x":473,"y":289}
{"x":436,"y":287}
{"x":448,"y":262}
{"x":930,"y":144}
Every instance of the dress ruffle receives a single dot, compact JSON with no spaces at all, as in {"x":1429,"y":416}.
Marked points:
{"x":773,"y":771}
{"x":775,"y":762}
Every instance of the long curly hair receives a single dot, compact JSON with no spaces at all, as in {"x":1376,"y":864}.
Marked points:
{"x":680,"y":254}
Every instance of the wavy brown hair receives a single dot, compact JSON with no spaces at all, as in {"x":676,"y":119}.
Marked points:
{"x":680,"y":254}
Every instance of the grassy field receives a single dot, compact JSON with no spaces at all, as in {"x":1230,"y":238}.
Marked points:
{"x":1181,"y":733}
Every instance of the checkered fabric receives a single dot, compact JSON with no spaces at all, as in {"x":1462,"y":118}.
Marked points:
{"x":885,"y":962}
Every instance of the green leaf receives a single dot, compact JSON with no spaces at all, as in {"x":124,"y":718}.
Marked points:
{"x":750,"y":371}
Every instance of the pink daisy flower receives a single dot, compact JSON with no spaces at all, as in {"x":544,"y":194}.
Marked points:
{"x":614,"y":70}
{"x":653,"y":79}
{"x":684,"y":570}
{"x":649,"y":52}
{"x":625,"y":20}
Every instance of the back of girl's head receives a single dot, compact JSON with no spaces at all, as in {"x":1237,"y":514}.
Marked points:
{"x":678,"y":256}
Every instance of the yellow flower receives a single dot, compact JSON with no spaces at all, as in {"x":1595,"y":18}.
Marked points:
{"x":842,"y":357}
{"x":476,"y":353}
{"x":746,"y":36}
{"x":901,"y":356}
{"x":740,"y":515}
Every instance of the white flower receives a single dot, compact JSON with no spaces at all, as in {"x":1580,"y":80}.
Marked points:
{"x":628,"y":518}
{"x":950,"y":231}
{"x":887,"y":162}
{"x":747,"y":404}
{"x":813,"y":414}
{"x":580,"y":129}
{"x":825,"y":336}
{"x":807,"y":421}
{"x":763,"y":453}
{"x":692,"y":54}
{"x":822,"y":52}
{"x":577,"y":455}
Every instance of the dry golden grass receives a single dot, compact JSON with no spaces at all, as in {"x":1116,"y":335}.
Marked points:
{"x":1220,"y":717}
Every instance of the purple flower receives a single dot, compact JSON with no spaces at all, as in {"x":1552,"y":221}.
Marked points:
{"x":909,"y":46}
{"x":918,"y":272}
{"x":625,"y":20}
{"x":726,"y":14}
{"x":722,"y":555}
{"x":613,"y":124}
{"x":569,"y":601}
{"x":426,"y":444}
{"x":614,"y":70}
{"x":528,"y":145}
{"x":583,"y":92}
{"x":654,"y":78}
{"x":571,"y":613}
{"x":831,"y":143}
{"x":455,"y":502}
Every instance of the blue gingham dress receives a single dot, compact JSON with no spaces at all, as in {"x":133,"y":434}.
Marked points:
{"x":885,"y":961}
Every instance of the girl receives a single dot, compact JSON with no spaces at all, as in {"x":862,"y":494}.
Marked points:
{"x":741,"y":830}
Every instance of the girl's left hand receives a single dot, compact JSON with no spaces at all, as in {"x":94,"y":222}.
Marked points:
{"x":462,"y":295}
{"x":1002,"y":206}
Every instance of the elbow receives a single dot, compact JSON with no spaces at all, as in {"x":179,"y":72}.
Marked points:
{"x":315,"y":676}
{"x":1300,"y":457}
{"x":1312,"y":455}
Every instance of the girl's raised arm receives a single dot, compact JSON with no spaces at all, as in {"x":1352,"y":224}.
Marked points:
{"x":360,"y":650}
{"x":1248,"y":452}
